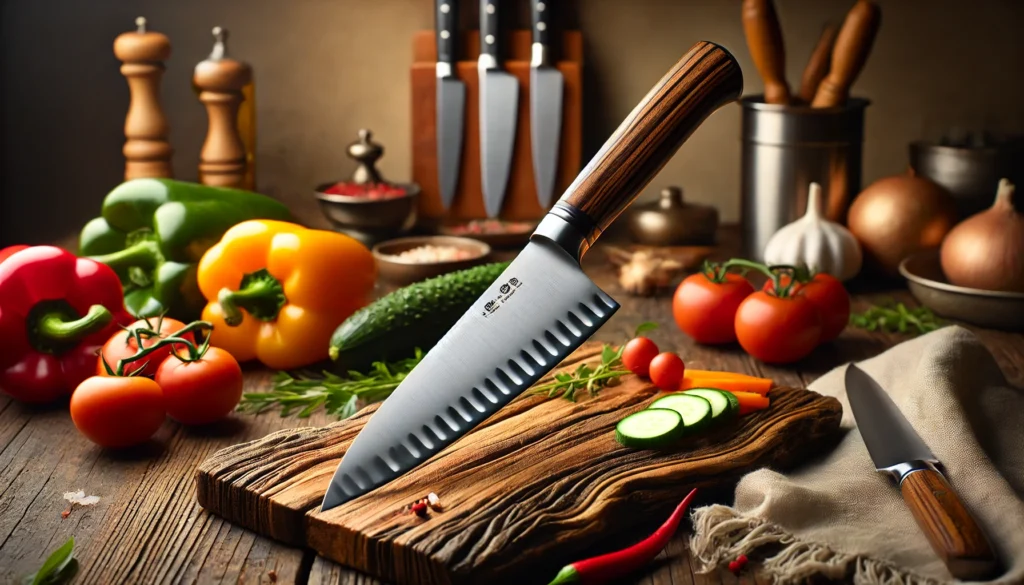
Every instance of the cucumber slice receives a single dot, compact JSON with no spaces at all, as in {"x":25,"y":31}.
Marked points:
{"x":651,"y":428}
{"x":724,"y":404}
{"x":695,"y":410}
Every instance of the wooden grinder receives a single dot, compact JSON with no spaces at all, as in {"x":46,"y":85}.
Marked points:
{"x":146,"y":150}
{"x":220,"y":80}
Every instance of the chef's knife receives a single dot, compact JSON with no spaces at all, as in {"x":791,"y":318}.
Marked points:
{"x":853,"y":44}
{"x":764,"y":39}
{"x":545,"y":105}
{"x":451,"y":102}
{"x":897,"y":450}
{"x":543,"y":306}
{"x":499,"y":107}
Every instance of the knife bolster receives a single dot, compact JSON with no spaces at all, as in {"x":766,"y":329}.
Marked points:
{"x":900,"y":471}
{"x":569,"y":228}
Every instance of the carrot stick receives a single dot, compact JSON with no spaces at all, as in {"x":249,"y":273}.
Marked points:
{"x":720,"y":374}
{"x":732,"y":384}
{"x":750,"y":402}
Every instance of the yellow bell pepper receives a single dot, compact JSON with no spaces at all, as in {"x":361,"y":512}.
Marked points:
{"x":277,"y":290}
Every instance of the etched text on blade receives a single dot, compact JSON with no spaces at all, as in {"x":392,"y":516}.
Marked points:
{"x":540,"y":310}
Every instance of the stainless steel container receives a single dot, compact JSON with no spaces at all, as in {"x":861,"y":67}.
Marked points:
{"x":785,"y":149}
{"x":970,"y":174}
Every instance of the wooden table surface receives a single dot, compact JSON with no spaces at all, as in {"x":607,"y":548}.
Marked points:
{"x":148,"y":528}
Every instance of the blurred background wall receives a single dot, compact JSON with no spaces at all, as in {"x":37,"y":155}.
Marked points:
{"x":325,"y":68}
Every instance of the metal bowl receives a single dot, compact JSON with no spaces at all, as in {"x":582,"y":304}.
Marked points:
{"x":985,"y":308}
{"x":400,"y":272}
{"x":370,"y":220}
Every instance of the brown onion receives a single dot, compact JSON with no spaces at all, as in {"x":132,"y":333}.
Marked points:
{"x":897,"y":216}
{"x":986,"y":251}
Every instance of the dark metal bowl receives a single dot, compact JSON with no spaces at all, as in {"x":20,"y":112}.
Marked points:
{"x":986,"y":308}
{"x":370,"y":220}
{"x":970,"y":174}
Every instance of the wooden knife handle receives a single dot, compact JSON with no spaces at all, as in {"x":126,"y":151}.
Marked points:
{"x":764,"y":39}
{"x":817,"y":65}
{"x":853,"y":44}
{"x":950,"y":528}
{"x":705,"y":79}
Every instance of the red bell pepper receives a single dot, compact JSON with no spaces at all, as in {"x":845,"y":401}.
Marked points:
{"x":56,"y":311}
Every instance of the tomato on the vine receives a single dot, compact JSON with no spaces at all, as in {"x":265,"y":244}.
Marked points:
{"x":200,"y":389}
{"x":637,"y":355}
{"x":122,"y":345}
{"x":667,"y":371}
{"x":117,"y":411}
{"x":778,"y":330}
{"x":828,"y":294}
{"x":706,"y":310}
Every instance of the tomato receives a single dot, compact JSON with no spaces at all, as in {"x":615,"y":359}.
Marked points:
{"x":638,"y":354}
{"x":706,"y":310}
{"x":122,"y":345}
{"x":202,"y":391}
{"x":114,"y":411}
{"x":831,"y":299}
{"x":667,"y":371}
{"x":778,"y":330}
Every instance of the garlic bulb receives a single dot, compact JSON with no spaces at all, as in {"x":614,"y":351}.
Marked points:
{"x":823,"y":245}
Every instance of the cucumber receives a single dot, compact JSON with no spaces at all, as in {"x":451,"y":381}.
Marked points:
{"x":724,"y":405}
{"x":415,"y":316}
{"x":695,"y":410}
{"x":649,"y":429}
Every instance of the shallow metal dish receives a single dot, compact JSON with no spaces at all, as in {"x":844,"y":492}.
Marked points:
{"x":985,"y":308}
{"x":398,"y":272}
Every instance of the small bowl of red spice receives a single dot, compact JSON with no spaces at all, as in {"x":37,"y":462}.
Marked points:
{"x":404,"y":261}
{"x":366,"y":206}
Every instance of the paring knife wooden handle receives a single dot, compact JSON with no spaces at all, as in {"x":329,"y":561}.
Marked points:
{"x":949,"y":526}
{"x":853,"y":44}
{"x":705,"y":79}
{"x":764,"y":39}
{"x":817,"y":65}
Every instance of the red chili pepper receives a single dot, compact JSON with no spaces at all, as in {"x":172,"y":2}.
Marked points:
{"x":56,"y":311}
{"x":612,"y":566}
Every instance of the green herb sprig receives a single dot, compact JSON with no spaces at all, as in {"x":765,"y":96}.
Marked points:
{"x":339,"y":396}
{"x":58,"y":568}
{"x":590,"y":377}
{"x":893,"y":317}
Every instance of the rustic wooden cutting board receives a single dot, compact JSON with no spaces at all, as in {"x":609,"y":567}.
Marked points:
{"x":523,"y":493}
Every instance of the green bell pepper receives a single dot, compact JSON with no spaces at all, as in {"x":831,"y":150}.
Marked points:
{"x":153,"y":232}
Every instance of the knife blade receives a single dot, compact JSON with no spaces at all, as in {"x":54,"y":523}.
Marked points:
{"x":897,"y":450}
{"x":543,"y":306}
{"x":451,"y":101}
{"x":499,"y":109}
{"x":545,"y":105}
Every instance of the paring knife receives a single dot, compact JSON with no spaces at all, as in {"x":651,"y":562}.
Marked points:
{"x":543,"y":306}
{"x":545,"y":105}
{"x":898,"y":451}
{"x":764,"y":39}
{"x":451,"y":102}
{"x":853,"y":44}
{"x":499,"y":108}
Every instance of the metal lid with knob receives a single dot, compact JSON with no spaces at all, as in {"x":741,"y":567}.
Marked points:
{"x":366,"y":152}
{"x":670,"y":221}
{"x":142,"y":45}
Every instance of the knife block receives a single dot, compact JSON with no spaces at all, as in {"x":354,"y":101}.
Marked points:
{"x":521,"y":195}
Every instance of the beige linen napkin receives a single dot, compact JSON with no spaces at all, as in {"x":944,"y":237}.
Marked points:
{"x":836,"y":517}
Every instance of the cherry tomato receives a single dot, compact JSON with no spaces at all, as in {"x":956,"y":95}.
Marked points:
{"x":117,"y":411}
{"x":122,"y":345}
{"x":778,"y":330}
{"x":830,"y":297}
{"x":638,"y":354}
{"x":667,"y":371}
{"x":201,"y":391}
{"x":706,"y":310}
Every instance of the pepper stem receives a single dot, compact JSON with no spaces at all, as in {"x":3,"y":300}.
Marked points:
{"x":260,"y":294}
{"x":57,"y":328}
{"x":144,"y":254}
{"x":568,"y":574}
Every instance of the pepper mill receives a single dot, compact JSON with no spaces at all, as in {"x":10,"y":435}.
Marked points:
{"x":366,"y":152}
{"x":220,"y":80}
{"x":146,"y":150}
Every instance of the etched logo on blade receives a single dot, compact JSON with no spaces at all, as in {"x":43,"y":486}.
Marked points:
{"x":505,"y":292}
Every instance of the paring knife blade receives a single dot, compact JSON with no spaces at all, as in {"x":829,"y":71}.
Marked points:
{"x":897,"y":449}
{"x":451,"y":102}
{"x":545,"y":105}
{"x":543,"y":306}
{"x":499,"y":110}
